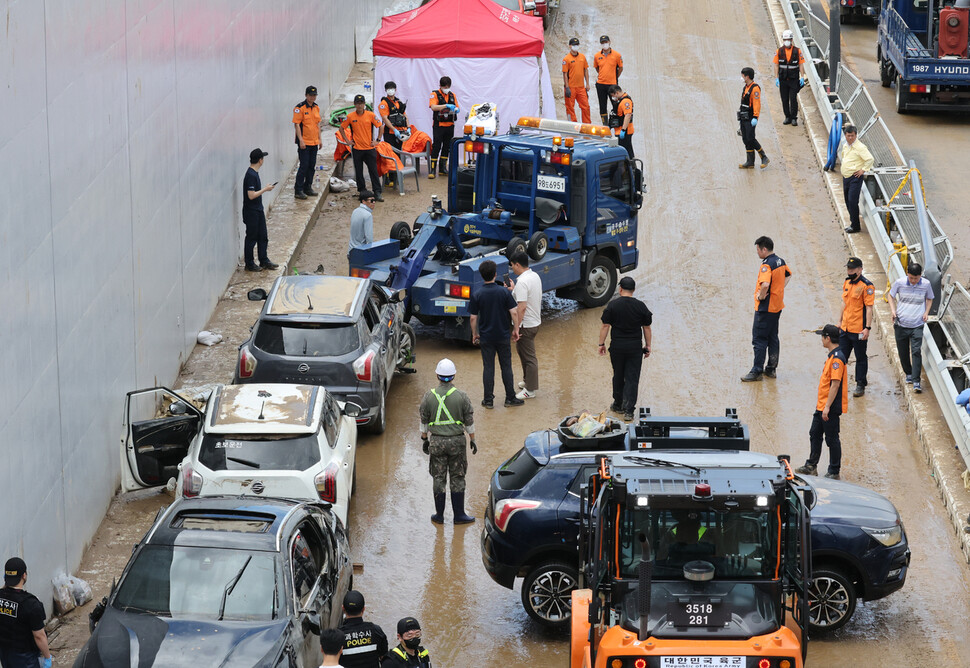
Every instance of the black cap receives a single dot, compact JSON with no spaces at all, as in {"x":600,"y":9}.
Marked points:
{"x":853,"y":263}
{"x":627,"y":283}
{"x":604,"y":38}
{"x":354,"y":602}
{"x":407,"y":624}
{"x":15,"y":569}
{"x":573,"y":41}
{"x":360,"y":98}
{"x":831,"y":331}
{"x":311,"y":90}
{"x":256,"y":155}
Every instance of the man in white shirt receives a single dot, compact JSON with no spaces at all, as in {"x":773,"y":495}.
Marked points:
{"x":527,"y":291}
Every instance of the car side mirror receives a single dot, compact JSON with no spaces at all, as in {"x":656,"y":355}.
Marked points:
{"x":95,"y":615}
{"x":399,"y":295}
{"x":178,"y":408}
{"x":256,"y":295}
{"x":352,"y":410}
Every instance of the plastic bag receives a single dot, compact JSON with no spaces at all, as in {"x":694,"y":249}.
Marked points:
{"x":80,"y":590}
{"x":208,"y":338}
{"x":338,"y":186}
{"x":63,"y":598}
{"x":587,"y":427}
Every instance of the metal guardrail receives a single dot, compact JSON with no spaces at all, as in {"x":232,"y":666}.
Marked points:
{"x":892,"y":215}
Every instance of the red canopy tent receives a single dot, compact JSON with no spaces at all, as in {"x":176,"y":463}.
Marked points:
{"x":491,"y":53}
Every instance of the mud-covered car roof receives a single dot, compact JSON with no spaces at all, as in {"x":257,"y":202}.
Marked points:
{"x":265,"y":408}
{"x":316,"y":299}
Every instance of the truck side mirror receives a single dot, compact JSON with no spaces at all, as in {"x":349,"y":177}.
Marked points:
{"x":399,"y":295}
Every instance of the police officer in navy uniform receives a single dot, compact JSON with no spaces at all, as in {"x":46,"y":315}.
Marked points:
{"x":409,"y":652}
{"x":364,"y":642}
{"x":23,"y":640}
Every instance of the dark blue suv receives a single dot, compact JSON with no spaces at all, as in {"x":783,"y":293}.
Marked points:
{"x":859,"y":547}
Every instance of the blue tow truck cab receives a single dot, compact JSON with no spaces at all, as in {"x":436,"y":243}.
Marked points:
{"x":923,"y":50}
{"x":571,"y":202}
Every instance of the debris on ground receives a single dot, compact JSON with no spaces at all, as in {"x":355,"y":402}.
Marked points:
{"x":208,"y":338}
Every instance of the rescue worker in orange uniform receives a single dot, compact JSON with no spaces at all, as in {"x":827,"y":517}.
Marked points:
{"x":362,"y":122}
{"x":748,"y":118}
{"x":858,"y":297}
{"x":769,"y":300}
{"x":575,"y":79}
{"x":621,"y":120}
{"x":306,"y":125}
{"x":608,"y":65}
{"x":392,"y":114}
{"x":444,"y":108}
{"x":789,"y":76}
{"x":833,"y":401}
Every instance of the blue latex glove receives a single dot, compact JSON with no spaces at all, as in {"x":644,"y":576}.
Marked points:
{"x":754,"y":122}
{"x":48,"y":662}
{"x":801,"y":82}
{"x":397,"y":133}
{"x":963,"y":399}
{"x":777,"y":83}
{"x":622,"y":134}
{"x":452,"y":108}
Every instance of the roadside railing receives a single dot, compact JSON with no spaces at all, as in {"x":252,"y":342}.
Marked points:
{"x":897,"y":219}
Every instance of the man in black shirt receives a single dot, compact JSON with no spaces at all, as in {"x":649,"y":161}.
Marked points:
{"x":492,"y":309}
{"x":23,"y":640}
{"x":253,"y":215}
{"x":409,"y":653}
{"x":630,"y":320}
{"x":364,"y":642}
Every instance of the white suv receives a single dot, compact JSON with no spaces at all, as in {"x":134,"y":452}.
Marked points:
{"x":266,"y":440}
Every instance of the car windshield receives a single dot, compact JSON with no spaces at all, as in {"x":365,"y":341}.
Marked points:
{"x":741,"y":544}
{"x":190,"y":582}
{"x":247,"y":453}
{"x":307,"y":340}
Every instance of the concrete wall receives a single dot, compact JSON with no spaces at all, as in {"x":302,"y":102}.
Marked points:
{"x":125,"y":130}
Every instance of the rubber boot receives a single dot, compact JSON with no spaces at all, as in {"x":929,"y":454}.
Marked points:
{"x":443,"y":166}
{"x":431,"y":172}
{"x":439,"y":506}
{"x":750,"y":163}
{"x":603,"y":118}
{"x":458,"y":507}
{"x":764,"y":158}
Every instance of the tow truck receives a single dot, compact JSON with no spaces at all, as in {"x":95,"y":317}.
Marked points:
{"x":923,"y":49}
{"x":692,"y":558}
{"x":564,"y":192}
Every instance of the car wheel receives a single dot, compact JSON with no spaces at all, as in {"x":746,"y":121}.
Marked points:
{"x":600,"y":283}
{"x":547,"y":592}
{"x":831,"y":600}
{"x":379,"y":423}
{"x":405,"y":352}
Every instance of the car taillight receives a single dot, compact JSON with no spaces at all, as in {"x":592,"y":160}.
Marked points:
{"x":919,"y":88}
{"x":191,"y":481}
{"x":247,"y":363}
{"x":505,"y":508}
{"x":474,"y":147}
{"x":364,"y":365}
{"x":460,"y":291}
{"x":360,"y":273}
{"x":326,"y":483}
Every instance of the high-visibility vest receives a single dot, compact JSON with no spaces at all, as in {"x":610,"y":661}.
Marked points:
{"x":788,"y":67}
{"x":700,"y":532}
{"x":423,"y":654}
{"x":443,"y":409}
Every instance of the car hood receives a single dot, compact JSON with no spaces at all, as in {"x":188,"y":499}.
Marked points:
{"x":137,"y":640}
{"x":845,"y":503}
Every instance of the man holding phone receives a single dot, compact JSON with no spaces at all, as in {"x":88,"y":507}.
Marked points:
{"x":254,"y":218}
{"x":629,"y":320}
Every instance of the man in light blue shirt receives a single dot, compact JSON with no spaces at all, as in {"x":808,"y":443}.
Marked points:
{"x":362,"y":221}
{"x":910,"y":300}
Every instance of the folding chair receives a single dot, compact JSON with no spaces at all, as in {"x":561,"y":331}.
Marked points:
{"x":426,"y":154}
{"x":339,"y":169}
{"x":409,"y":163}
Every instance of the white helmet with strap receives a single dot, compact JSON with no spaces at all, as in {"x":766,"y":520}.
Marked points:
{"x":445,"y":369}
{"x":788,"y":35}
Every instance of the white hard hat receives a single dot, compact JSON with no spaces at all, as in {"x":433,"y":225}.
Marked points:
{"x":445,"y":368}
{"x":787,"y":35}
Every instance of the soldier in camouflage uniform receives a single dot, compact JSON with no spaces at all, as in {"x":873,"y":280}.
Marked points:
{"x":446,"y":414}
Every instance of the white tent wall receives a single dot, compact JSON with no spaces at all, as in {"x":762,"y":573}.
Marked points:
{"x":518,"y":86}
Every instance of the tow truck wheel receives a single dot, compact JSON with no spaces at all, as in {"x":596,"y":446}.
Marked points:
{"x":514,"y":245}
{"x":547,"y":593}
{"x":831,"y":600}
{"x":902,"y":95}
{"x":600,"y":282}
{"x":885,"y":74}
{"x":538,"y":245}
{"x":402,"y":232}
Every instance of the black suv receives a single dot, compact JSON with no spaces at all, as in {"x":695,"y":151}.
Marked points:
{"x":859,"y":547}
{"x":347,"y":334}
{"x":252,"y":579}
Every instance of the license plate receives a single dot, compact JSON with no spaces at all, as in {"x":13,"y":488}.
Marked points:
{"x":702,"y":614}
{"x":689,"y":661}
{"x":556,"y":184}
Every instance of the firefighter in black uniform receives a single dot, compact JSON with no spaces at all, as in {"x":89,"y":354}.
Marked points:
{"x":364,"y":642}
{"x":444,"y":108}
{"x":748,"y":118}
{"x":789,"y":76}
{"x":409,"y":653}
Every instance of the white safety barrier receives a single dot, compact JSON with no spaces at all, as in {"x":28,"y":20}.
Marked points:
{"x":946,"y":340}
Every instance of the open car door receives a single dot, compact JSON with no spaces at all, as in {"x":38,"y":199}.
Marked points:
{"x":159,"y":428}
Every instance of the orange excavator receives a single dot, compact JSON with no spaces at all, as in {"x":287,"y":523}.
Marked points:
{"x":692,"y":558}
